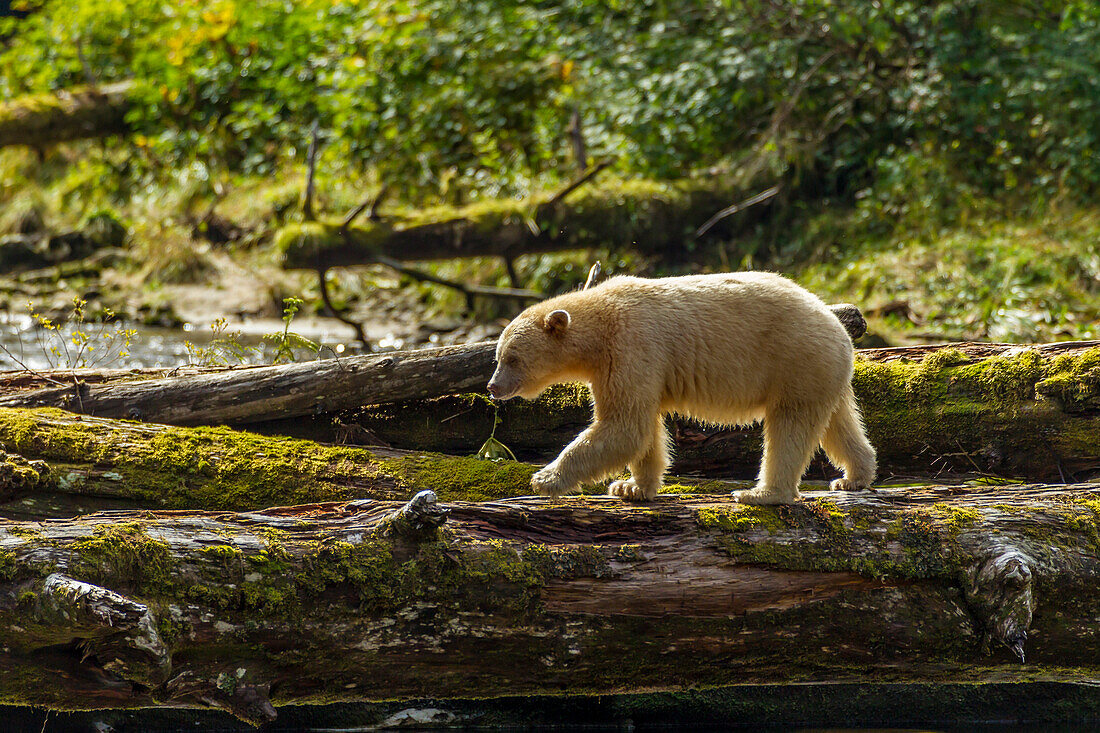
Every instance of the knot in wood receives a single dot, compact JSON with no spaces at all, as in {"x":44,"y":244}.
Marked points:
{"x":421,"y":515}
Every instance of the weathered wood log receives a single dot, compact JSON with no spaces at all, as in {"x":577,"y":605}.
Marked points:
{"x":653,"y":218}
{"x":255,"y":394}
{"x":70,"y":114}
{"x":252,"y":394}
{"x":331,"y":602}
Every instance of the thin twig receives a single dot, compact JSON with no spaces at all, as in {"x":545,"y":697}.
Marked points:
{"x":468,"y":290}
{"x":359,"y":334}
{"x":510,"y":268}
{"x":373,"y":213}
{"x":730,"y":211}
{"x":371,"y":203}
{"x":311,"y":163}
{"x":557,"y":198}
{"x":576,"y":132}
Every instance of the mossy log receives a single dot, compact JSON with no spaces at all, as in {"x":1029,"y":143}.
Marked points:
{"x":369,"y":600}
{"x":648,"y":217}
{"x":70,"y":114}
{"x":58,"y":464}
{"x":1009,"y":411}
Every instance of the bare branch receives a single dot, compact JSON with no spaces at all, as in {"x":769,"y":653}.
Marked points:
{"x":730,"y":211}
{"x":560,"y":195}
{"x":592,"y":275}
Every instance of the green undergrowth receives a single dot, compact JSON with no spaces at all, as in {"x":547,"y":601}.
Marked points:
{"x":1007,"y":276}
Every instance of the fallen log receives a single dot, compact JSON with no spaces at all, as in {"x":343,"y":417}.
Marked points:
{"x":256,"y":394}
{"x":357,"y":602}
{"x":1001,"y":410}
{"x":70,"y":114}
{"x":59,"y":465}
{"x":648,"y":217}
{"x":252,"y":394}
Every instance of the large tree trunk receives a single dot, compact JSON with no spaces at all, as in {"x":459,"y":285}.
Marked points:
{"x":72,"y":114}
{"x":367,"y":601}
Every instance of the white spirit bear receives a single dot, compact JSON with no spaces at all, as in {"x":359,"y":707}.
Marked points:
{"x":726,"y":349}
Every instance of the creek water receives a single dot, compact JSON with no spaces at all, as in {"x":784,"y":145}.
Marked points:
{"x":26,"y":344}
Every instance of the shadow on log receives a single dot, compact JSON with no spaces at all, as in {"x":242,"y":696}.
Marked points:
{"x":329,"y":602}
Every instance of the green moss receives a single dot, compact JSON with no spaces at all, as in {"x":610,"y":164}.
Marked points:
{"x":220,"y":468}
{"x":1073,"y":380}
{"x":8,"y":565}
{"x":956,"y":518}
{"x":122,"y":555}
{"x":461,"y":479}
{"x":742,"y":518}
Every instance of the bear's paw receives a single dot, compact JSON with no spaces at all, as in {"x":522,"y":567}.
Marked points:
{"x":548,"y":482}
{"x":630,"y":491}
{"x":764,"y":496}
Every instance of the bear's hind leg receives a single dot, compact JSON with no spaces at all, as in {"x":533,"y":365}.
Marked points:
{"x":846,"y":444}
{"x":791,"y":434}
{"x":647,"y":470}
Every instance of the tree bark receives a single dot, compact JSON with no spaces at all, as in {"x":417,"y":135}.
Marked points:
{"x":252,"y":394}
{"x":72,"y":114}
{"x":367,"y":600}
{"x":256,"y":394}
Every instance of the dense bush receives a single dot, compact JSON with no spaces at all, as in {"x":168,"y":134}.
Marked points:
{"x":858,"y":98}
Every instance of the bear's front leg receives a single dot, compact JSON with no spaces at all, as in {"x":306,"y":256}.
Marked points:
{"x":605,"y":447}
{"x":647,"y":469}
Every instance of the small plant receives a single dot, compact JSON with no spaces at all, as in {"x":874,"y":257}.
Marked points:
{"x":492,"y":449}
{"x":223,"y":349}
{"x":286,"y":342}
{"x":78,"y":344}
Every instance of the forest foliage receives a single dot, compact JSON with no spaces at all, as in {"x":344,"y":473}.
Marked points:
{"x":858,"y":98}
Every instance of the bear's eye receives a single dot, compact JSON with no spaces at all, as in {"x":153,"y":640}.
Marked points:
{"x":511,"y":361}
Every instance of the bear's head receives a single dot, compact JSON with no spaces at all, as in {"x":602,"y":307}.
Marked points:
{"x":533,"y":352}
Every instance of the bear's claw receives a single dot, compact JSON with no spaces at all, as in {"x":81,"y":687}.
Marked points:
{"x":629,"y":491}
{"x":548,"y":482}
{"x":847,"y":484}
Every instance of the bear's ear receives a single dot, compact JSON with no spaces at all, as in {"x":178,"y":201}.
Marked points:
{"x":556,"y":322}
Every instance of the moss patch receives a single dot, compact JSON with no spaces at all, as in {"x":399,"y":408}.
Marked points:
{"x":122,"y":555}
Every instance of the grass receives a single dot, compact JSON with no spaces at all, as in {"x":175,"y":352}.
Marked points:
{"x":1000,"y":280}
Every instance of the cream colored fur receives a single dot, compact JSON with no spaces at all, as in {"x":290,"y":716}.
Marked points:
{"x":728,"y":349}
